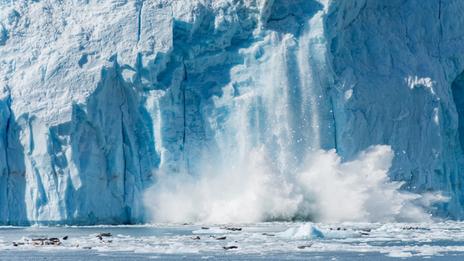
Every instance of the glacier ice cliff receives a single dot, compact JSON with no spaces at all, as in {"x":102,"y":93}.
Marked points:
{"x":98,"y":99}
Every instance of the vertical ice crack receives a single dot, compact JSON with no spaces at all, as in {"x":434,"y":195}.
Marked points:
{"x":139,"y":7}
{"x":332,"y":110}
{"x":124,"y":142}
{"x":120,"y":84}
{"x":440,"y":27}
{"x":439,"y":10}
{"x":184,"y":105}
{"x":7,"y":131}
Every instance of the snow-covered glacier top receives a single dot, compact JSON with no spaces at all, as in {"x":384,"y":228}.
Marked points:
{"x":56,"y":51}
{"x":113,"y":111}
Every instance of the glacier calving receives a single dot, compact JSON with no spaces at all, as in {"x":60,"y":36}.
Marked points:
{"x":98,"y":99}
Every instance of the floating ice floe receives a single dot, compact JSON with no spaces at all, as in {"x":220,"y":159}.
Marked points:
{"x":305,"y":231}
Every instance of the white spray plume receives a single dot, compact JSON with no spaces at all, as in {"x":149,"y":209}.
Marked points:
{"x":325,"y":190}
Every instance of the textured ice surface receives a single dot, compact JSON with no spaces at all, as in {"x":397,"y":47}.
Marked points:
{"x":264,"y":241}
{"x":97,"y":96}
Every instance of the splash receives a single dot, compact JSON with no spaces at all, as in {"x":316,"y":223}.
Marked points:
{"x":232,"y":193}
{"x":326,"y":189}
{"x":358,"y":190}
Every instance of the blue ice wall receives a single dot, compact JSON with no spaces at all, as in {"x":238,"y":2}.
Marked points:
{"x":101,"y":97}
{"x":397,"y":63}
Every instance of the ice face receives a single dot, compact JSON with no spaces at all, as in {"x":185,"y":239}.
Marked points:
{"x":401,"y":69}
{"x":101,"y":100}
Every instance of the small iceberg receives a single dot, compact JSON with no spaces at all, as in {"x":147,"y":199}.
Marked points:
{"x":305,"y":231}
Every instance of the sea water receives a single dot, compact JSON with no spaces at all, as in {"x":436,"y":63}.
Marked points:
{"x":259,"y":241}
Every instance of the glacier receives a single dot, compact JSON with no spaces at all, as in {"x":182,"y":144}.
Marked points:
{"x":101,"y":99}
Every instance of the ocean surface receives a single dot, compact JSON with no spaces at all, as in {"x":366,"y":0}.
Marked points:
{"x":260,"y":241}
